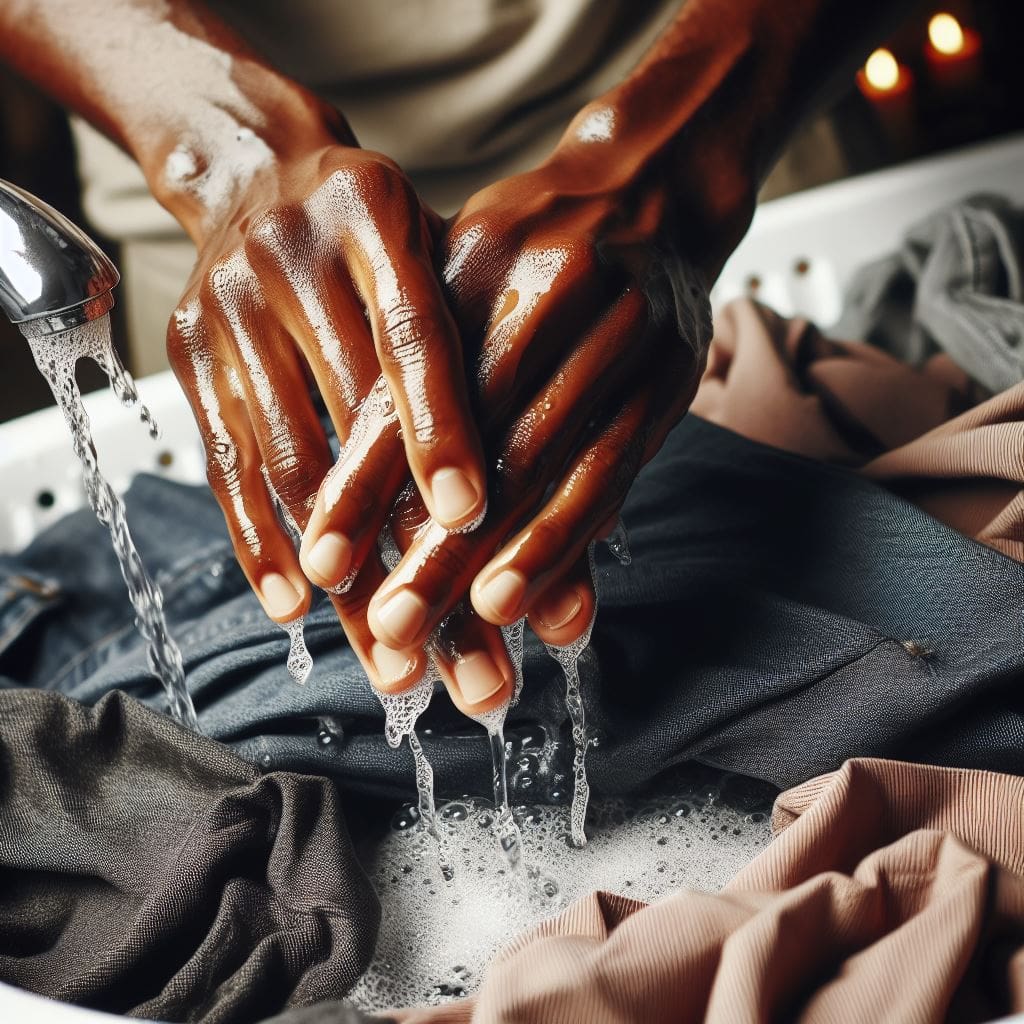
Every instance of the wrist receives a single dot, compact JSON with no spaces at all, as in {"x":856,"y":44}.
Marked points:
{"x":692,"y":189}
{"x":202,"y":164}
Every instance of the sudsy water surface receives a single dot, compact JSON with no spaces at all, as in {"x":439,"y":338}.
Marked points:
{"x":56,"y":355}
{"x":437,"y":937}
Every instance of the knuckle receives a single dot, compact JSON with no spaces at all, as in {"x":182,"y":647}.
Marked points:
{"x":549,"y":535}
{"x":296,"y":468}
{"x":277,"y":233}
{"x":449,"y":559}
{"x":614,"y":460}
{"x":407,"y":337}
{"x":185,"y":333}
{"x":229,"y":283}
{"x":373,"y":178}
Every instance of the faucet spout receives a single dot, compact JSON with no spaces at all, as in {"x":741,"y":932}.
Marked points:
{"x":52,"y":275}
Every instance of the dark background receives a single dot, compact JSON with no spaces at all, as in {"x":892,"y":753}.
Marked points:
{"x":36,"y":151}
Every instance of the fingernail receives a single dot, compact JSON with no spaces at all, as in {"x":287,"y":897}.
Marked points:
{"x":478,"y":677}
{"x":279,"y":595}
{"x":402,"y":615}
{"x":391,"y":665}
{"x":503,"y":593}
{"x":330,"y":557}
{"x":454,"y":497}
{"x":560,"y":611}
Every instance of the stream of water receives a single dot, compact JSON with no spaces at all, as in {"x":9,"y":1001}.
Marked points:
{"x":56,"y":355}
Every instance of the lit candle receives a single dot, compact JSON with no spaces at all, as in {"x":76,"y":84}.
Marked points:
{"x":953,"y":54}
{"x":889,"y":86}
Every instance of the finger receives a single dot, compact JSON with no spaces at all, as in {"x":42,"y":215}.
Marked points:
{"x":553,"y":540}
{"x":356,"y":495}
{"x":473,"y":663}
{"x":417,"y":343}
{"x":470,"y":654}
{"x":528,"y":319}
{"x":319,"y":307}
{"x":439,"y":566}
{"x":388,"y":670}
{"x":290,"y":438}
{"x":561,"y":613}
{"x":234,"y":464}
{"x":592,"y":491}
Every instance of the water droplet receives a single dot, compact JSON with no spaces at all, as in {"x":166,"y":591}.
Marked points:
{"x":405,"y":818}
{"x":454,"y":812}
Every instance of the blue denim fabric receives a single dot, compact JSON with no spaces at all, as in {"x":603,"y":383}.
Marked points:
{"x":778,"y":617}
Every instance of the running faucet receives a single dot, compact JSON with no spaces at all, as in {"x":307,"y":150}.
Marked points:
{"x":52,"y":274}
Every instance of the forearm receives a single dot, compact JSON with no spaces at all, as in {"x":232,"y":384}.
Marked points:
{"x":172,"y":85}
{"x":711,"y":105}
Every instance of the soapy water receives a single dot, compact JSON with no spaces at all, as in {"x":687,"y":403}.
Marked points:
{"x":402,"y":710}
{"x":56,"y":355}
{"x":569,"y":658}
{"x":694,"y":832}
{"x":300,"y":661}
{"x":506,"y":829}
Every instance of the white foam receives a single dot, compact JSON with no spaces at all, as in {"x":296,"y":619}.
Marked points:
{"x":436,"y":939}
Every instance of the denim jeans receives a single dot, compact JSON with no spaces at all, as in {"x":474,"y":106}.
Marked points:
{"x":778,"y":617}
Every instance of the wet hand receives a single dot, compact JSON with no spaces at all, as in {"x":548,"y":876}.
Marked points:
{"x":318,"y":262}
{"x":588,"y":333}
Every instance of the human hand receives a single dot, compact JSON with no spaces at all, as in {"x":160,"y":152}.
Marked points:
{"x":318,"y":259}
{"x":590,"y":333}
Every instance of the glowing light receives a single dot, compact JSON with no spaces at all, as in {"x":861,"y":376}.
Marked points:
{"x":945,"y":34}
{"x":882,"y":71}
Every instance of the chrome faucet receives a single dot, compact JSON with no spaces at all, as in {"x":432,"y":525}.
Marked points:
{"x":52,"y":275}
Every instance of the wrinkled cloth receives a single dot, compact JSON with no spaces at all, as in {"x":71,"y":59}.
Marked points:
{"x":913,"y":408}
{"x":956,"y":286}
{"x":779,"y":616}
{"x":148,"y":871}
{"x":893,"y":892}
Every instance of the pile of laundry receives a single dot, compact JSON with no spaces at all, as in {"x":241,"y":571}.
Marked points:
{"x":826,"y":594}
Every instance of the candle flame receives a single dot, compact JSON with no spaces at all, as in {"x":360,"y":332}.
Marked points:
{"x":945,"y":33}
{"x":881,"y":70}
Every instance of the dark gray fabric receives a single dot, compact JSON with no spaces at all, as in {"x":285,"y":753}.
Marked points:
{"x":147,"y":871}
{"x":327,"y":1013}
{"x":956,"y":285}
{"x":779,"y":616}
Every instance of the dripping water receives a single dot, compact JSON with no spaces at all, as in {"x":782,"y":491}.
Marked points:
{"x":506,"y":831}
{"x":56,"y":356}
{"x":401,"y":712}
{"x":513,"y":637}
{"x":618,"y":543}
{"x":330,"y":732}
{"x":300,"y":661}
{"x":568,"y":657}
{"x":427,"y":807}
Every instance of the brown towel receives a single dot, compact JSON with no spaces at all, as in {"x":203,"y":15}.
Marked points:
{"x":893,"y":892}
{"x":925,"y":432}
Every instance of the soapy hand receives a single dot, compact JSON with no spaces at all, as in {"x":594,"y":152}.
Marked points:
{"x":321,"y":264}
{"x":588,"y":337}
